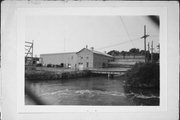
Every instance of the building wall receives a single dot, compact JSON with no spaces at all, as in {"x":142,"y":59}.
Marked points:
{"x":85,"y":59}
{"x":67,"y":59}
{"x":101,"y":60}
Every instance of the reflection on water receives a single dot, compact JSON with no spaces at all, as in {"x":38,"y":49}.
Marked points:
{"x":86,"y":91}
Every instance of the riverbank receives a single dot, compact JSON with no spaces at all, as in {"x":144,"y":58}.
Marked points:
{"x":141,"y":81}
{"x":143,"y":75}
{"x":45,"y":73}
{"x":39,"y":75}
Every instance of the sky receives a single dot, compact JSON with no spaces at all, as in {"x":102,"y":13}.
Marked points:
{"x":57,"y":34}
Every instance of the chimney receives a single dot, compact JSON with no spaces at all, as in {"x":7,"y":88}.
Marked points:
{"x":86,"y":46}
{"x":104,"y":51}
{"x":92,"y":48}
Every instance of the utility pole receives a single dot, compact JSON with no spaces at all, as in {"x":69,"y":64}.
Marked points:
{"x":152,"y":51}
{"x":144,"y":37}
{"x":158,"y":47}
{"x":148,"y":46}
{"x":148,"y":51}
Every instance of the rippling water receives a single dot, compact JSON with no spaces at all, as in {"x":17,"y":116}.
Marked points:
{"x":85,"y":91}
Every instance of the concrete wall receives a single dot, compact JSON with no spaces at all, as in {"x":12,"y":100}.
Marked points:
{"x":101,"y":60}
{"x":60,"y":58}
{"x":85,"y":59}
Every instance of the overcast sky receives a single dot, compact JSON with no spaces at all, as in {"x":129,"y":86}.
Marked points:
{"x":56,"y":34}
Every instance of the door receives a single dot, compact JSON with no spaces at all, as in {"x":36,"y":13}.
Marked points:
{"x":87,"y":64}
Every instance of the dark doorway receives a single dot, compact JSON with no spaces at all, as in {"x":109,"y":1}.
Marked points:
{"x":87,"y":64}
{"x":62,"y":64}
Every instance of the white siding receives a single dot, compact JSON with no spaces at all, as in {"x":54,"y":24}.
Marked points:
{"x":61,"y":58}
{"x":85,"y":59}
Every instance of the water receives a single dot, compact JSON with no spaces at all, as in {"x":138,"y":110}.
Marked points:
{"x":86,"y":91}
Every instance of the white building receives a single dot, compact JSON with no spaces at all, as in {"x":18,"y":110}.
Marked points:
{"x":83,"y":59}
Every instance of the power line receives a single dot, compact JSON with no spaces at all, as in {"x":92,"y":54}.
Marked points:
{"x":118,"y":44}
{"x":126,"y":31}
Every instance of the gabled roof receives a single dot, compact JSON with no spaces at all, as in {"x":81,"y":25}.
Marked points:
{"x":96,"y":52}
{"x":58,"y":53}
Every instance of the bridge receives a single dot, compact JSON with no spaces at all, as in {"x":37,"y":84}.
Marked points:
{"x":110,"y":71}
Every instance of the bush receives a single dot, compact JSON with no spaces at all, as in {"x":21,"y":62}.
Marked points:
{"x":143,"y":75}
{"x":49,"y":65}
{"x":58,"y":66}
{"x":39,"y":65}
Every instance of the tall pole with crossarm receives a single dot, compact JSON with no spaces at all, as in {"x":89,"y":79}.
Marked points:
{"x":144,"y":37}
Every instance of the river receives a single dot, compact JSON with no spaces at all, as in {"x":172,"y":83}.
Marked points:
{"x":88,"y":91}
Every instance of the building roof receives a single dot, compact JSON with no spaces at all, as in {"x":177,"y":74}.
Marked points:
{"x":96,"y":52}
{"x":93,"y":51}
{"x":58,"y":53}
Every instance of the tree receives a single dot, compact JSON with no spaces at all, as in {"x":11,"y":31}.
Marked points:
{"x":123,"y":53}
{"x":142,"y":52}
{"x":155,"y":57}
{"x":158,"y":47}
{"x":114,"y":53}
{"x":134,"y":51}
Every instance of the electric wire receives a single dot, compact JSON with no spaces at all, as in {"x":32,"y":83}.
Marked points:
{"x":124,"y":42}
{"x":126,"y":31}
{"x":117,"y":44}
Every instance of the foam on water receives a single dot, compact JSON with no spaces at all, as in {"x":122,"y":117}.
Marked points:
{"x":146,"y":97}
{"x":84,"y":92}
{"x":98,"y":92}
{"x":56,"y":92}
{"x":135,"y":95}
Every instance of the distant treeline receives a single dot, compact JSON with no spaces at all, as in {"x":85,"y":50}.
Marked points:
{"x":134,"y":52}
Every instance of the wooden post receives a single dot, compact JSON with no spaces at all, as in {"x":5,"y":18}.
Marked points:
{"x":152,"y":51}
{"x":145,"y":41}
{"x":148,"y":51}
{"x":145,"y":36}
{"x":148,"y":46}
